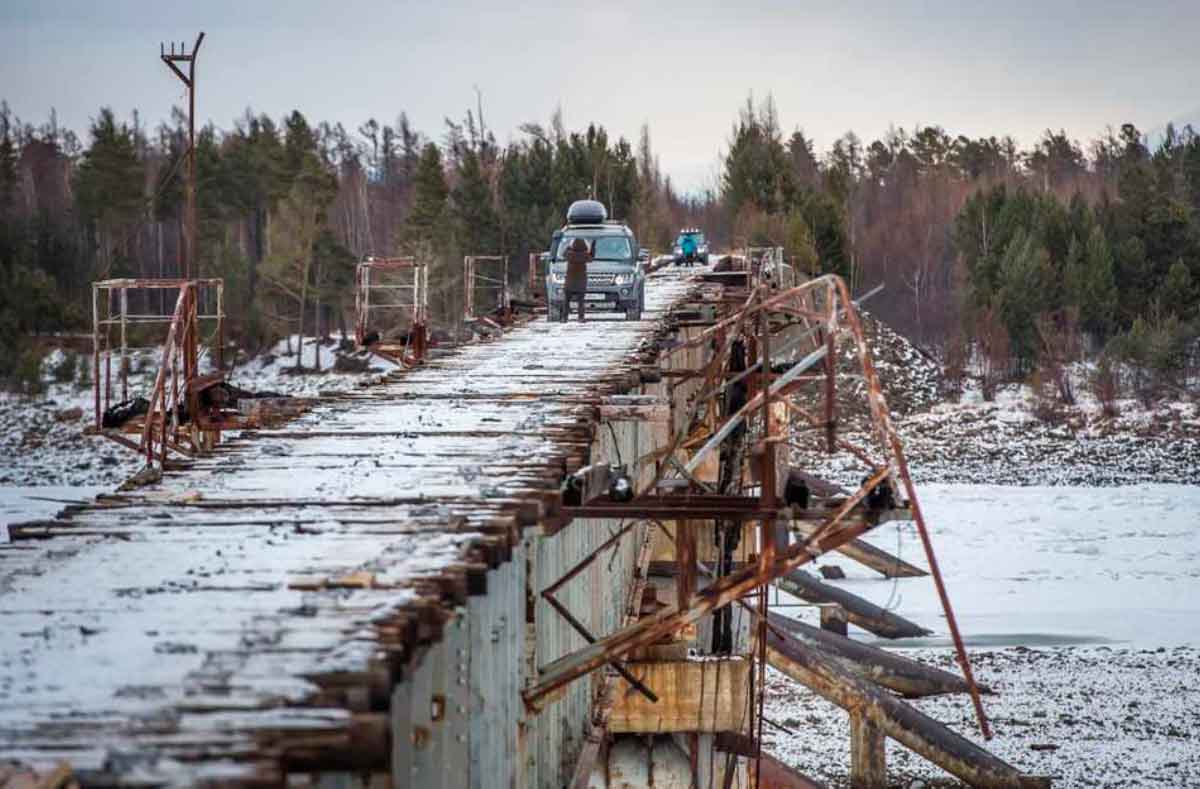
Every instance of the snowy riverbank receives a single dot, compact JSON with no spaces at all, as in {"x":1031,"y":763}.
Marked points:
{"x":1081,"y":608}
{"x":45,"y":445}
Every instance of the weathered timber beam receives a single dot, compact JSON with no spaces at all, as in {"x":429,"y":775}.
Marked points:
{"x":896,"y":719}
{"x":894,"y":672}
{"x":868,"y":555}
{"x":709,"y":695}
{"x":861,"y":612}
{"x":365,"y":744}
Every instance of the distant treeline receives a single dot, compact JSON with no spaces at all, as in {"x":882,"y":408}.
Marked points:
{"x":987,"y":250}
{"x":1022,"y":260}
{"x":286,"y":209}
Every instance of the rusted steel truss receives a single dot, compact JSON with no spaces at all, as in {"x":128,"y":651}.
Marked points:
{"x":823,"y":313}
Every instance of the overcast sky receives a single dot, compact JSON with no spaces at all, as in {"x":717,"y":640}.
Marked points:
{"x":684,"y":68}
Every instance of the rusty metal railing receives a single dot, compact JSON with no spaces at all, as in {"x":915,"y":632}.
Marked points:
{"x":391,"y":308}
{"x":172,"y":418}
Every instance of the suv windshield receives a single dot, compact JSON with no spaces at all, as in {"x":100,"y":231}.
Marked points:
{"x":603,"y":247}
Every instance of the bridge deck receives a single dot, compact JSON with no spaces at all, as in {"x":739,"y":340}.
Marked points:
{"x":245,"y":600}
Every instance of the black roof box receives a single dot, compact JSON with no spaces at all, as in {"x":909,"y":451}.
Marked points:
{"x":587,"y":212}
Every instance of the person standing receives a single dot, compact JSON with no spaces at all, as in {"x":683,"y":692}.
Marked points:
{"x":578,"y":256}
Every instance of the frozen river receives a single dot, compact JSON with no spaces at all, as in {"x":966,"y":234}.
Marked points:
{"x":1047,"y":566}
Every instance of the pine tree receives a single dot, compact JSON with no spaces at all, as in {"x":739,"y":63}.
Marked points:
{"x":1178,"y":293}
{"x":476,"y":224}
{"x":109,"y":189}
{"x":427,"y":219}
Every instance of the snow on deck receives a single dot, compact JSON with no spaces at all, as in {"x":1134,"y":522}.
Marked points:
{"x":206,"y":609}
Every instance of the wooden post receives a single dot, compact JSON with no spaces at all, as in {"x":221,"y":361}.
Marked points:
{"x":96,"y":351}
{"x":868,"y":754}
{"x":833,"y":618}
{"x":861,"y":612}
{"x":685,"y":554}
{"x":830,"y":393}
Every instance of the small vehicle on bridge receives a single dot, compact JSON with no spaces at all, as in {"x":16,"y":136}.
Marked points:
{"x":691,"y":247}
{"x":616,"y":279}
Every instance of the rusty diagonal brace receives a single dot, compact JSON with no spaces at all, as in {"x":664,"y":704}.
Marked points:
{"x":548,"y":595}
{"x":891,"y":441}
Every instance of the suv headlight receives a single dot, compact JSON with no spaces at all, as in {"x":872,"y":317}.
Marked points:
{"x":703,"y":249}
{"x":624,"y":279}
{"x":558,"y":277}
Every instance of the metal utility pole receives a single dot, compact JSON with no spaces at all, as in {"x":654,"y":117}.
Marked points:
{"x":189,"y":80}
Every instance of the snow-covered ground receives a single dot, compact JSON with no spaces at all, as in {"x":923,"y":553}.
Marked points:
{"x":44,"y":443}
{"x":1080,"y":606}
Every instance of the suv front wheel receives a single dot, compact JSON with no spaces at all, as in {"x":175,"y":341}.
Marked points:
{"x":634,"y":312}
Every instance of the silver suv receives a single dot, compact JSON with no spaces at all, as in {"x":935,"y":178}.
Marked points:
{"x":616,"y":275}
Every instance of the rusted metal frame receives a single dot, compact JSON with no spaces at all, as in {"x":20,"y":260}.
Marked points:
{"x":124,"y":334}
{"x":469,"y":287}
{"x":767,"y":528}
{"x":189,"y":81}
{"x":830,"y":379}
{"x":853,"y":449}
{"x":725,"y":591}
{"x":646,"y":631}
{"x":850,"y":503}
{"x":798,"y":312}
{"x":702,"y":485}
{"x":751,"y":369}
{"x":791,"y":374}
{"x":587,"y":560}
{"x":668,"y":511}
{"x":156,"y":283}
{"x":96,"y":353}
{"x":220,"y":326}
{"x":548,"y":595}
{"x":799,"y":295}
{"x":756,"y":402}
{"x":619,"y":667}
{"x":472,"y":276}
{"x":414,"y":350}
{"x":711,"y":369}
{"x":158,"y":393}
{"x":736,"y":319}
{"x":890,"y":439}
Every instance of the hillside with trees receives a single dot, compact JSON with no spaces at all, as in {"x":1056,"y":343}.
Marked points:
{"x":1022,"y":261}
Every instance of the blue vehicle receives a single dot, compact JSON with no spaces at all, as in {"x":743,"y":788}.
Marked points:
{"x":691,"y":247}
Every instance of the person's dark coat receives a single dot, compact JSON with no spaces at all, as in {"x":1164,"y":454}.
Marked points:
{"x":578,"y":257}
